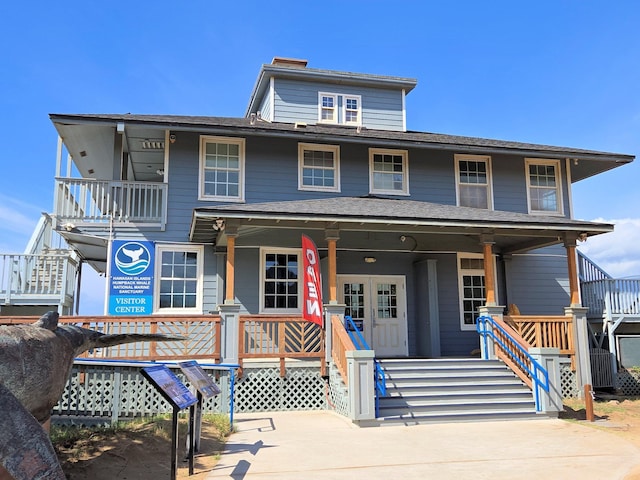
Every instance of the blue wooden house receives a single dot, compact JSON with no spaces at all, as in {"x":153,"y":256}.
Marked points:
{"x":417,"y":232}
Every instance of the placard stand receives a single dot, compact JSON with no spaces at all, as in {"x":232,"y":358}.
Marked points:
{"x":178,"y":395}
{"x":205,"y":389}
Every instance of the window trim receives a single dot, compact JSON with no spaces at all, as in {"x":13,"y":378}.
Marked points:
{"x":335,"y":108}
{"x":405,"y":171}
{"x":358,"y":98}
{"x":263,"y":253}
{"x":199,"y":250}
{"x":559,"y":198}
{"x":458,"y":157}
{"x":335,"y":149}
{"x":204,"y":139}
{"x":459,"y":257}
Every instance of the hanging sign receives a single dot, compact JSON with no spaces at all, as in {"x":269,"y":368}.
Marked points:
{"x":312,"y":286}
{"x":131,"y":279}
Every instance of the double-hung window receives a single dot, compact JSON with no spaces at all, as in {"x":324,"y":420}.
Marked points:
{"x":179,"y":278}
{"x":388,"y":171}
{"x":471,"y":287}
{"x":221,"y":169}
{"x":544,"y":192}
{"x":473,"y":185}
{"x":338,"y":108}
{"x":280,"y":290}
{"x":318,"y":167}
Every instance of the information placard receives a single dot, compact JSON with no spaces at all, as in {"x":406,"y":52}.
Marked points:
{"x":199,"y":378}
{"x":171,"y":388}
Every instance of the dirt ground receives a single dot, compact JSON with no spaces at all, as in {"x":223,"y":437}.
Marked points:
{"x":138,"y":451}
{"x":144,"y":450}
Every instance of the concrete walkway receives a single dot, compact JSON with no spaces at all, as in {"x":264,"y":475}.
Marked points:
{"x":324,"y":445}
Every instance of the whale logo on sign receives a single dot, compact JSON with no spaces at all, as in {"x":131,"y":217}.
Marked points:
{"x":132,"y":258}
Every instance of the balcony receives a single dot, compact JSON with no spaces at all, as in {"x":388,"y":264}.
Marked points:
{"x":37,"y":279}
{"x":88,"y":202}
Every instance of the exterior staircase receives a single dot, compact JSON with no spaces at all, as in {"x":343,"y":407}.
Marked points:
{"x":452,"y":390}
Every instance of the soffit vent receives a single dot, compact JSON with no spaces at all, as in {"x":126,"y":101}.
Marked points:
{"x":152,"y":144}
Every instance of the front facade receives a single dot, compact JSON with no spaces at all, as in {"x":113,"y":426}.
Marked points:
{"x":415,"y":231}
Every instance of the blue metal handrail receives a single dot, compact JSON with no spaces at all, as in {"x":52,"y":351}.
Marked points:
{"x":361,"y":344}
{"x":486,"y":326}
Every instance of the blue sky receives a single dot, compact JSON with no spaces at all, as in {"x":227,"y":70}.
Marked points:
{"x":556,"y":72}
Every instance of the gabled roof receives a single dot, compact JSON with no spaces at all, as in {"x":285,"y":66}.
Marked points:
{"x":602,"y":161}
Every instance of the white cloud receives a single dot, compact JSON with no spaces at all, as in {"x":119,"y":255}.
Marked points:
{"x":618,"y":252}
{"x":17,"y":221}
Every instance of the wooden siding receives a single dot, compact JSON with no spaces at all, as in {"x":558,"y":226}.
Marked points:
{"x":538,"y":281}
{"x":298,"y":102}
{"x":265,"y":107}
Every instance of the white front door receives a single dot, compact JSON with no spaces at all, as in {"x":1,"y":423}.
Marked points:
{"x":378,"y":303}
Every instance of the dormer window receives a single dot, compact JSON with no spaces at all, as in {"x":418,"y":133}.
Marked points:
{"x":339,"y":109}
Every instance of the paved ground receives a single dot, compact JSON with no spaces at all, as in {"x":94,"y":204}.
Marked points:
{"x":323,"y":445}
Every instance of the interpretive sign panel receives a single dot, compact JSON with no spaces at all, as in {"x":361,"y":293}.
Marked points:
{"x":131,"y":278}
{"x":169,"y":386}
{"x":199,"y":378}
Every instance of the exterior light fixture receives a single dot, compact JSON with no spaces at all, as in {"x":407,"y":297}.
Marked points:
{"x":370,"y":259}
{"x":218,"y":224}
{"x":582,"y":237}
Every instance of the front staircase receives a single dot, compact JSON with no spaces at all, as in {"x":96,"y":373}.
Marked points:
{"x":452,"y":390}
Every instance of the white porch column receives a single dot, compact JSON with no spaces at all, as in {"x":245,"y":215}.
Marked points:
{"x":551,"y":401}
{"x":229,"y":332}
{"x":487,"y":346}
{"x":581,"y":345}
{"x":329,"y":311}
{"x":362,"y":394}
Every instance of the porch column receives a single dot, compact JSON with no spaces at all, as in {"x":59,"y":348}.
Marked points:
{"x":230,"y":295}
{"x":570,"y":245}
{"x":581,"y":345}
{"x":332,"y":237}
{"x":489,"y":271}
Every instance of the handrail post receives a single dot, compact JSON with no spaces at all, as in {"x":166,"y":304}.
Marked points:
{"x":548,"y":402}
{"x":487,"y":345}
{"x":330,"y":310}
{"x":229,"y":332}
{"x":361,"y":385}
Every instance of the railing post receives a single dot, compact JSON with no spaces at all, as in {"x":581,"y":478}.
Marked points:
{"x":330,"y":310}
{"x":362,"y":394}
{"x":549,"y":403}
{"x":581,"y":345}
{"x":229,"y":332}
{"x":486,"y":344}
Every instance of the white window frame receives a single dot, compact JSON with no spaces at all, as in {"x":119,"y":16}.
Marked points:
{"x":321,"y":108}
{"x":199,"y":251}
{"x":204,"y":139}
{"x":475,"y":272}
{"x":358,"y":111}
{"x":335,"y":149}
{"x":287,"y":251}
{"x":489,"y":184}
{"x":405,"y":171}
{"x":558,"y":174}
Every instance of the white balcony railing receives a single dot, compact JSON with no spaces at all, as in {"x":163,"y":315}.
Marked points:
{"x":612,"y":296}
{"x":86,"y":201}
{"x":37,"y":278}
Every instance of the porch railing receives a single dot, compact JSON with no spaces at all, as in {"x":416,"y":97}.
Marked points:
{"x":279,"y":337}
{"x":87,"y":201}
{"x":37,"y":278}
{"x":341,"y":343}
{"x":545,"y":331}
{"x":514,"y":351}
{"x":611,"y":296}
{"x":202,"y":336}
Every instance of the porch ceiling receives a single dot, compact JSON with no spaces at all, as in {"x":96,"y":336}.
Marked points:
{"x":92,"y":249}
{"x":433,"y":227}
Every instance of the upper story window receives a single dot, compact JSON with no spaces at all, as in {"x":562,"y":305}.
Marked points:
{"x":221,"y":169}
{"x":339,"y":109}
{"x":473,"y":181}
{"x":179,"y":270}
{"x":318,"y":167}
{"x":280,"y":286}
{"x":544,"y":192}
{"x":388,"y":171}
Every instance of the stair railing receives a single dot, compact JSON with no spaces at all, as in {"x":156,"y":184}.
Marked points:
{"x":511,"y":350}
{"x":361,"y":344}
